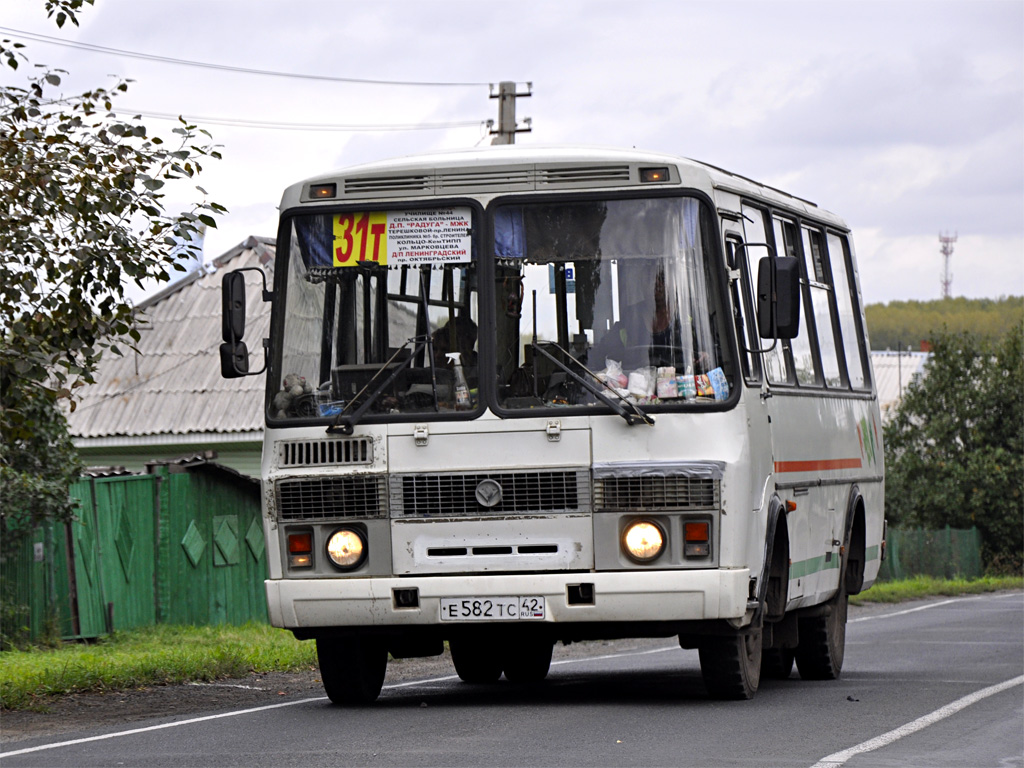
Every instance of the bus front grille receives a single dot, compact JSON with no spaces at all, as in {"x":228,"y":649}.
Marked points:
{"x":551,"y":491}
{"x":648,"y":493}
{"x":325,"y":498}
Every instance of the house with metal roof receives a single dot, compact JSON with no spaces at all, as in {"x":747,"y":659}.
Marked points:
{"x":166,"y":398}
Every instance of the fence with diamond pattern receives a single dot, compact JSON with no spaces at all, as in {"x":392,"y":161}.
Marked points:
{"x":181,"y":545}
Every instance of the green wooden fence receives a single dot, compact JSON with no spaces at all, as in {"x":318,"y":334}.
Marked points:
{"x":949,"y":553}
{"x":181,"y":545}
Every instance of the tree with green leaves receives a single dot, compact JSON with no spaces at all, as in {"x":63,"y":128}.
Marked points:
{"x":955,"y":448}
{"x":84,"y":215}
{"x":905,"y":324}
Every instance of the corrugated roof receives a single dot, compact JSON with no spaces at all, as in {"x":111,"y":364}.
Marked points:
{"x":893,"y":373}
{"x":172,"y":385}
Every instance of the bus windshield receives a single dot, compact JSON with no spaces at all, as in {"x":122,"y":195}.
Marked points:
{"x":619,"y":288}
{"x":596,"y":302}
{"x":373,"y":316}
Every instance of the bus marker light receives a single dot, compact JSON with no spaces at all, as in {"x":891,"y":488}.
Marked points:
{"x":790,"y":506}
{"x":323,"y":191}
{"x":650,"y":175}
{"x":643,"y":541}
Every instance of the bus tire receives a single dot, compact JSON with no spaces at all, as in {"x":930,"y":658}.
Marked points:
{"x":777,"y":663}
{"x":475,"y":660}
{"x":527,"y":660}
{"x":819,"y":655}
{"x":352,"y":669}
{"x":731,"y":665}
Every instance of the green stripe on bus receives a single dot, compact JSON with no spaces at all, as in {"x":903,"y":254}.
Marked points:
{"x":803,"y":568}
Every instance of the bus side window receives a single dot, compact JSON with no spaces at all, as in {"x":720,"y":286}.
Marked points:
{"x":802,"y":347}
{"x":754,"y":232}
{"x":820,"y":290}
{"x":743,"y":311}
{"x":849,"y":321}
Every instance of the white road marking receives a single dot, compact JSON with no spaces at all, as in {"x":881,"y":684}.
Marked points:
{"x":840,"y":758}
{"x":909,"y":610}
{"x":160,"y":727}
{"x":228,"y":685}
{"x":413,"y":683}
{"x":175,"y":724}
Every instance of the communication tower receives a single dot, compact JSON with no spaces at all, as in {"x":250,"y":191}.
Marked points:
{"x":946,"y":242}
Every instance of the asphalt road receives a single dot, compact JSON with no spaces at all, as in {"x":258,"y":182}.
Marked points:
{"x":938,"y":683}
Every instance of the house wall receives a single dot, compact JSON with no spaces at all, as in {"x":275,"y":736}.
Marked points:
{"x":241,"y":456}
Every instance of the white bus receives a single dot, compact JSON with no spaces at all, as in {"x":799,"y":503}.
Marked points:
{"x":518,"y":396}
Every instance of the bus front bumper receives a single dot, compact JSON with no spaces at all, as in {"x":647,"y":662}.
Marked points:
{"x":627,"y":596}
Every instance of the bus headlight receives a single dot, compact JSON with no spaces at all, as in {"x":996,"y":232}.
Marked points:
{"x":346,"y":548}
{"x":643,"y":541}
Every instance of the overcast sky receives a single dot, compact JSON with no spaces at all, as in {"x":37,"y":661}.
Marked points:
{"x":905,"y":118}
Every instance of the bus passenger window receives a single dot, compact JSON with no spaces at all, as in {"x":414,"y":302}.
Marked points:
{"x":822,"y":306}
{"x":754,"y":233}
{"x":853,"y":340}
{"x":801,"y":346}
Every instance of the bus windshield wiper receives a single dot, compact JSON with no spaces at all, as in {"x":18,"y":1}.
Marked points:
{"x":345,"y":422}
{"x":633,"y":414}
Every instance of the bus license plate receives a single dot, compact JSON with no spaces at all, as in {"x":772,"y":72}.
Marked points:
{"x":491,"y":608}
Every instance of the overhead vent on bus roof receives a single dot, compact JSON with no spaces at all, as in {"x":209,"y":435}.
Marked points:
{"x":581,"y":175}
{"x":379,"y":185}
{"x":482,"y":179}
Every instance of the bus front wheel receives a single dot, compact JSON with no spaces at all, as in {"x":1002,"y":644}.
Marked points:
{"x":527,"y":660}
{"x":731,"y":665}
{"x":352,"y":669}
{"x":475,"y":660}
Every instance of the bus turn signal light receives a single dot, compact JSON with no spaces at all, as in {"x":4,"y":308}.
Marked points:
{"x":300,"y":550}
{"x":696,"y":539}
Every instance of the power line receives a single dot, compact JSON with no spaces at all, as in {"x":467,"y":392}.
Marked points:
{"x":281,"y":126}
{"x":225,"y":67}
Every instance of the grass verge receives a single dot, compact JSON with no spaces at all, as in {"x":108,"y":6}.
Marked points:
{"x":174,"y":654}
{"x":926,"y":586}
{"x":151,"y":656}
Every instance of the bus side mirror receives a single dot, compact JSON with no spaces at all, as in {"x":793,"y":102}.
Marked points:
{"x":232,"y":289}
{"x":234,"y":355}
{"x":234,"y":360}
{"x":778,"y":297}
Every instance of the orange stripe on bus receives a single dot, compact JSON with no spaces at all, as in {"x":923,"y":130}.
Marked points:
{"x":817,"y":465}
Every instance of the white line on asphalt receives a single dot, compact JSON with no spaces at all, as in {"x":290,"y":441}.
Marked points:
{"x":160,"y":727}
{"x":840,"y":758}
{"x":912,"y":610}
{"x":1014,"y":595}
{"x":176,"y":723}
{"x":392,"y":686}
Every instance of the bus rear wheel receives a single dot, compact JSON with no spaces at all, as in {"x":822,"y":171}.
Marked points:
{"x":352,"y":669}
{"x":475,"y":660}
{"x":776,"y":663}
{"x":731,"y":665}
{"x":819,"y":656}
{"x":527,"y":660}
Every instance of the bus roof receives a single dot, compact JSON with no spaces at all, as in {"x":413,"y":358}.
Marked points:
{"x":508,"y":169}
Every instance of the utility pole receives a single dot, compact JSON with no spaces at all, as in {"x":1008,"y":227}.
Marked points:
{"x":506,"y":96}
{"x":946,"y":241}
